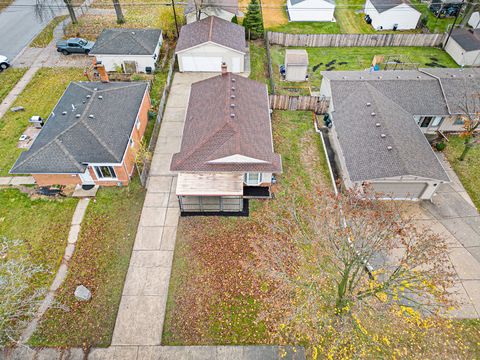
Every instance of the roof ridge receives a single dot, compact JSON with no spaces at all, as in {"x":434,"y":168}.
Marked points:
{"x":211,"y":28}
{"x":126,"y":85}
{"x":98,"y":138}
{"x":65,"y":150}
{"x":441,"y":87}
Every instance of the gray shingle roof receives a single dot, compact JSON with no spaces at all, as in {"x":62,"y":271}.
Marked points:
{"x":384,"y":5}
{"x":127,"y":42}
{"x":212,"y":29}
{"x":468,"y":39}
{"x":211,"y":133}
{"x":296,"y":57}
{"x":227,"y":5}
{"x":68,"y":141}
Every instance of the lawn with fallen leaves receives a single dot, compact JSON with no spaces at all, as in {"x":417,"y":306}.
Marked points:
{"x":215,"y":294}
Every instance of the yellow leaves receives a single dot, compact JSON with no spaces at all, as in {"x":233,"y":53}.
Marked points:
{"x":382,"y":297}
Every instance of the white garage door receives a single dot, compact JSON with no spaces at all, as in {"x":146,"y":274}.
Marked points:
{"x":202,"y":63}
{"x":399,"y":190}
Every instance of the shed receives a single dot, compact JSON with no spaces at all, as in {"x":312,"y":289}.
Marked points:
{"x":223,"y":9}
{"x":474,"y":20}
{"x":296,"y":65}
{"x":464,"y":47}
{"x":311,"y":10}
{"x":203,"y":45}
{"x":134,"y":50}
{"x":391,"y":14}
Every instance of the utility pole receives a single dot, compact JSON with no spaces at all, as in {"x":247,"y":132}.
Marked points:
{"x":454,"y":23}
{"x":175,"y":17}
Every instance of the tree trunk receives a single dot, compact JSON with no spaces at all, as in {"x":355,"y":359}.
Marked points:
{"x":466,"y":149}
{"x":118,"y":12}
{"x":468,"y":12}
{"x":71,"y":11}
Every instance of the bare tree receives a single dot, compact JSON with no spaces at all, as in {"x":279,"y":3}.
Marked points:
{"x":349,"y":262}
{"x":71,"y":11}
{"x":471,"y":121}
{"x":118,"y":11}
{"x":18,"y":301}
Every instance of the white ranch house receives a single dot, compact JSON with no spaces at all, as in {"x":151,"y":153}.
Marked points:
{"x":392,"y":14}
{"x":311,"y":10}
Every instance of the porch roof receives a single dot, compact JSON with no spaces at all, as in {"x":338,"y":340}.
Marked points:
{"x":209,"y":184}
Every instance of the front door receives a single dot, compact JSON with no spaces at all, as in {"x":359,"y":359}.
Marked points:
{"x":87,"y":178}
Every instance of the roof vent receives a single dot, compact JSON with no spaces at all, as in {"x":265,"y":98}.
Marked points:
{"x":453,"y":75}
{"x":389,"y":148}
{"x":368,"y":104}
{"x":374,"y":113}
{"x":95,"y":89}
{"x":64,"y":113}
{"x":398,"y":76}
{"x":84,"y":101}
{"x":344,"y":77}
{"x":77,"y":116}
{"x":89,"y":96}
{"x":233,"y":88}
{"x":383,"y":136}
{"x":232,"y":105}
{"x":419,"y":77}
{"x":233,"y":79}
{"x":91,"y":116}
{"x":361,"y":77}
{"x":232,"y":115}
{"x":380,"y":78}
{"x":377,"y":124}
{"x":232,"y":96}
{"x":100,"y":97}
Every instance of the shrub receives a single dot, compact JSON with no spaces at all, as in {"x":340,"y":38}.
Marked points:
{"x":440,"y":146}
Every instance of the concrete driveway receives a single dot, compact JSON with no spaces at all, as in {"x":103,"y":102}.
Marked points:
{"x":453,"y":215}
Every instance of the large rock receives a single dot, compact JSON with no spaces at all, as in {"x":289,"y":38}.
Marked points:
{"x":82,"y":293}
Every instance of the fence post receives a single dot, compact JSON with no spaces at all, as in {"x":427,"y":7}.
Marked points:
{"x":269,"y":59}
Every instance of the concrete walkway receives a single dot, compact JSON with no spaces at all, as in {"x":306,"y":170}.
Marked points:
{"x":61,"y":275}
{"x":16,"y":180}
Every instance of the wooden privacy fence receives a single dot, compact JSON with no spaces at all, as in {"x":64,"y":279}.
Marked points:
{"x":348,"y":40}
{"x":288,"y":102}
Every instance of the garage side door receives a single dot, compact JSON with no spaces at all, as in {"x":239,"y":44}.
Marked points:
{"x":399,"y":190}
{"x":202,"y":63}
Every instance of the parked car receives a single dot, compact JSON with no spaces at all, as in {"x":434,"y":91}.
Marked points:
{"x":74,"y":46}
{"x":4,"y":63}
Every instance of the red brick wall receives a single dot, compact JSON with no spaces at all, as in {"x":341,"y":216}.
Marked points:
{"x":56,"y":179}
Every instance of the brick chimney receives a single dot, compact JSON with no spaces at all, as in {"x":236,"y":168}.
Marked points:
{"x":102,"y":72}
{"x":224,"y":68}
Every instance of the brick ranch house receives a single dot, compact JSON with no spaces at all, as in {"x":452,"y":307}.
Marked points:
{"x":90,"y":137}
{"x":227,"y":153}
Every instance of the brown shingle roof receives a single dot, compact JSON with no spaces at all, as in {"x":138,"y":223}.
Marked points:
{"x":212,"y":133}
{"x":212,"y":29}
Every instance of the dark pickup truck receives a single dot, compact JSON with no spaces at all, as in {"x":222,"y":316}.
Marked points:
{"x":74,"y":46}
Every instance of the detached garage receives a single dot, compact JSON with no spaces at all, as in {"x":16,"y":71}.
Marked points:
{"x":203,"y":46}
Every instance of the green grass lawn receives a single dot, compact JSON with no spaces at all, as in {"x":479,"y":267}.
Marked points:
{"x":100,"y":262}
{"x":433,"y":24}
{"x":258,"y":62}
{"x":213,"y":298}
{"x":467,"y":170}
{"x":46,"y":35}
{"x":38,"y":98}
{"x":308,"y":27}
{"x":356,"y":58}
{"x":8,"y":79}
{"x":42,"y":225}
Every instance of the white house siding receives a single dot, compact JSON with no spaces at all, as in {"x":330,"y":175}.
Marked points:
{"x":112,"y":62}
{"x":296,"y":72}
{"x":208,"y":11}
{"x":311,"y":10}
{"x":462,"y":57}
{"x":448,"y":124}
{"x":209,"y":57}
{"x":474,"y":20}
{"x":405,"y":16}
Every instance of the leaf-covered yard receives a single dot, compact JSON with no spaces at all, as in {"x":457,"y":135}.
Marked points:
{"x":213,"y":297}
{"x":100,"y":263}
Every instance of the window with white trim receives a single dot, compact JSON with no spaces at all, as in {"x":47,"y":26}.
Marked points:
{"x":105,"y":172}
{"x":132,"y":143}
{"x":137,"y":123}
{"x":459,"y":121}
{"x":253,"y":178}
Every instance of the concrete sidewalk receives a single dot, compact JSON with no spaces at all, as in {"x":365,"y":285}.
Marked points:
{"x":16,"y":180}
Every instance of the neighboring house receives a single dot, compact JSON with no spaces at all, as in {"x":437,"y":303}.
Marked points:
{"x":204,"y":45}
{"x":223,"y":9}
{"x":464,"y":47}
{"x":131,"y":50}
{"x":391,"y":14}
{"x":311,"y":10}
{"x":90,"y":137}
{"x":227,"y":152}
{"x":378,"y":119}
{"x":474,"y":20}
{"x":296,"y":65}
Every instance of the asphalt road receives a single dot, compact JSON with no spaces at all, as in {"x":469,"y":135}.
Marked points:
{"x":22,"y":21}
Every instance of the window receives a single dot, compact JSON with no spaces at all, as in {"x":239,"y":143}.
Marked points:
{"x":253,"y":178}
{"x":73,"y":45}
{"x":459,"y":121}
{"x":105,"y":172}
{"x":138,"y":123}
{"x":436,"y":121}
{"x":425,"y":121}
{"x":132,"y":143}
